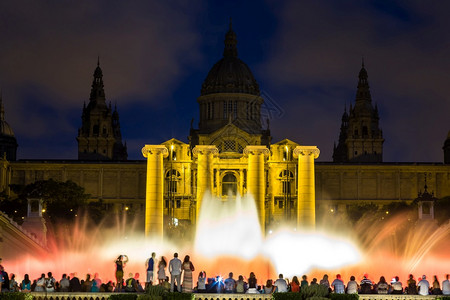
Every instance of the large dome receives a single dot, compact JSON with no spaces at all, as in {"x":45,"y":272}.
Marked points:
{"x":230,"y":74}
{"x":5,"y":129}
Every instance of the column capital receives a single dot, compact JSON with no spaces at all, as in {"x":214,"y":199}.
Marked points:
{"x":204,"y":149}
{"x":306,"y":151}
{"x":154,"y":149}
{"x":256,"y":150}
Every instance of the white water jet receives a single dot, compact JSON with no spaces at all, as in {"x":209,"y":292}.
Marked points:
{"x":231,"y":228}
{"x":228,"y":227}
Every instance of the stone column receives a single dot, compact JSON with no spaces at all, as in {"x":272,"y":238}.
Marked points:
{"x":256,"y":186}
{"x":205,"y":176}
{"x":154,"y":192}
{"x":306,"y":198}
{"x":4,"y":173}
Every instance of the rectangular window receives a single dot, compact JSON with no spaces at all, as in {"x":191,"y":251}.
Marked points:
{"x":224,"y":109}
{"x":208,"y":111}
{"x":230,"y":107}
{"x":286,"y":187}
{"x":235,"y":110}
{"x":365,"y":131}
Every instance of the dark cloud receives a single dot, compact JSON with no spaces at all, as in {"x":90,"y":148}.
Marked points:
{"x":49,"y":52}
{"x":319,"y":46}
{"x":155,"y":54}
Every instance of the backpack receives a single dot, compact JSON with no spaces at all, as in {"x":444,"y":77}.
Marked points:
{"x":240,"y":287}
{"x":130,"y":285}
{"x":50,"y":283}
{"x":366,"y":288}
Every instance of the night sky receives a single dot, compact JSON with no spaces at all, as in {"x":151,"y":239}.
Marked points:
{"x":305,"y":55}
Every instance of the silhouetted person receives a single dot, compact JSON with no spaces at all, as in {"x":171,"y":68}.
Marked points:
{"x":411,"y":285}
{"x":130,"y":284}
{"x":74,"y":284}
{"x":366,"y":285}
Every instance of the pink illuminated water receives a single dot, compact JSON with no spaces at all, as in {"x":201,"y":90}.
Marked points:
{"x":229,"y":238}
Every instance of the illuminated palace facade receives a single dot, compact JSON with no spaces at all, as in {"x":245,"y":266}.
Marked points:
{"x":231,"y":153}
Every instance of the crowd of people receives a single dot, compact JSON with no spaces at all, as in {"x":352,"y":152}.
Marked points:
{"x":365,"y":286}
{"x":156,"y":275}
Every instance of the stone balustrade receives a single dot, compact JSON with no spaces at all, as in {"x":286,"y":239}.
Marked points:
{"x":105,"y":296}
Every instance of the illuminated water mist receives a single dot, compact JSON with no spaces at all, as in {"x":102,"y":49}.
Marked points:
{"x":228,"y":239}
{"x":231,"y":228}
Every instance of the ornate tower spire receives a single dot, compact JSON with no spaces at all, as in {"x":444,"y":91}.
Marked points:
{"x":97,"y":90}
{"x":340,"y":151}
{"x":230,"y":43}
{"x":2,"y":109}
{"x":99,"y":137}
{"x":360,"y":138}
{"x":446,"y":149}
{"x":363,"y":91}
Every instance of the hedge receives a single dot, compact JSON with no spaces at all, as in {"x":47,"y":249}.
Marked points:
{"x":16,"y":296}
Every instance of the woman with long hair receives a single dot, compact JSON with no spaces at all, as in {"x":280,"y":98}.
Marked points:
{"x":436,"y":288}
{"x":382,"y":286}
{"x":40,"y":284}
{"x":120,"y":264}
{"x":268,"y":288}
{"x":252,"y":284}
{"x":295,"y":285}
{"x":162,"y":270}
{"x":187,"y":267}
{"x":26,"y":284}
{"x":201,"y":283}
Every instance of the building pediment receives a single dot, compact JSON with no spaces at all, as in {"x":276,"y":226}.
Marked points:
{"x":285,"y":142}
{"x":174,"y":141}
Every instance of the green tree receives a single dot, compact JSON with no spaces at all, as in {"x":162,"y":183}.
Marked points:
{"x":356,"y":212}
{"x":61,"y":200}
{"x":442,"y":210}
{"x":15,"y":208}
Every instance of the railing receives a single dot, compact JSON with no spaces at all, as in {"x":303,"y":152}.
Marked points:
{"x":105,"y":296}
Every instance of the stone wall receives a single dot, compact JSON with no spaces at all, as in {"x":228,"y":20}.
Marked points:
{"x":120,"y":184}
{"x":104,"y":296}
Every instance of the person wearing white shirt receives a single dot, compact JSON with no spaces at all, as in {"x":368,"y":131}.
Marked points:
{"x":446,"y":286}
{"x":281,"y":284}
{"x":423,"y":286}
{"x":175,"y":272}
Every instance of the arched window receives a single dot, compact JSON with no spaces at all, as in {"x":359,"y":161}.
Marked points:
{"x":229,"y":185}
{"x":172,"y":178}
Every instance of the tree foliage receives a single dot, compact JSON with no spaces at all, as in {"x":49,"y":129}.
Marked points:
{"x":61,"y":200}
{"x":442,"y":210}
{"x":16,"y":208}
{"x":356,"y":212}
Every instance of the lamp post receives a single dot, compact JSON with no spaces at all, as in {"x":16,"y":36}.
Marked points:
{"x":170,"y":191}
{"x":287,"y":207}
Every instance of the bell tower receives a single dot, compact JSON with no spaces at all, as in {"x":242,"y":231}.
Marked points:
{"x":99,"y":137}
{"x":361,"y":139}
